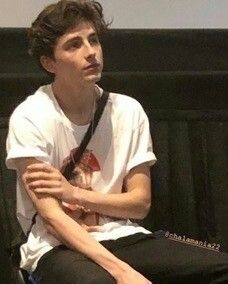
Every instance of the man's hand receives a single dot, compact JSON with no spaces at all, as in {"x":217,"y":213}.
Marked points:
{"x":44,"y":178}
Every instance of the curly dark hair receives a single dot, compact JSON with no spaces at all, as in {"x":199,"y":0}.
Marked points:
{"x":58,"y":18}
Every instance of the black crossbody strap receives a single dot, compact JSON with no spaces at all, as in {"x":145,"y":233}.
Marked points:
{"x":90,"y":131}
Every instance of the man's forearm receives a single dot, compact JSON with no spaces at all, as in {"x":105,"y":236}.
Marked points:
{"x":121,"y":205}
{"x":76,"y":238}
{"x":134,"y":202}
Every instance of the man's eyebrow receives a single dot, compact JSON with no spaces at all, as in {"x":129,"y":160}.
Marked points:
{"x":93,"y":34}
{"x":76,"y":38}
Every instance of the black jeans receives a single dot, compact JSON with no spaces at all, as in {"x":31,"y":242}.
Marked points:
{"x":159,"y":259}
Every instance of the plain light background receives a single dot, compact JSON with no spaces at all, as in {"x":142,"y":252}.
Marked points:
{"x":132,"y":13}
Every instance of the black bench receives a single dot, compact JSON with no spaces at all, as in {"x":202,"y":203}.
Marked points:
{"x":181,"y":79}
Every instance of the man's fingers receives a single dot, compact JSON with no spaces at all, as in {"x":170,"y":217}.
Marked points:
{"x":92,"y":228}
{"x":40,"y":167}
{"x":38,"y":184}
{"x":39,"y":175}
{"x":45,"y":190}
{"x":30,"y":177}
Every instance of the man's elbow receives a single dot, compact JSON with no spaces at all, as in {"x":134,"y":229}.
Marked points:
{"x":147,"y":207}
{"x":144,"y":210}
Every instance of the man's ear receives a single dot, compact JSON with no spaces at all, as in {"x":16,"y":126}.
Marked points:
{"x":48,"y":64}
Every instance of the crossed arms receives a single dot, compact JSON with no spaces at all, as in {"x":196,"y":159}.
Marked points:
{"x":47,"y":188}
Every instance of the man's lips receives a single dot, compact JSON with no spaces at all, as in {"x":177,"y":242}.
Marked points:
{"x":92,"y":66}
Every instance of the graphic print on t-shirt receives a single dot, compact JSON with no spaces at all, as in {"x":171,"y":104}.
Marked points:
{"x":82,"y":177}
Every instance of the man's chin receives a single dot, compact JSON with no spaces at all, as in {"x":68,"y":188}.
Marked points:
{"x":93,"y":78}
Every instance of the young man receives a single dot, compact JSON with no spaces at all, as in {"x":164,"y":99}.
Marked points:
{"x":83,"y":233}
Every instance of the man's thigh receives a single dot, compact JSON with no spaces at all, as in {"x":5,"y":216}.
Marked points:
{"x":63,"y":266}
{"x":166,"y":261}
{"x":159,"y":259}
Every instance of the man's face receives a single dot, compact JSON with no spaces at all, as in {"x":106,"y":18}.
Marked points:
{"x":78,"y":57}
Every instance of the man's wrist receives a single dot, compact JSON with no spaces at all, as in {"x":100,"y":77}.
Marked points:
{"x":119,"y":269}
{"x":79,"y":196}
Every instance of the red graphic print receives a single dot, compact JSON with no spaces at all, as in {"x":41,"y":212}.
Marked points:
{"x":82,"y":177}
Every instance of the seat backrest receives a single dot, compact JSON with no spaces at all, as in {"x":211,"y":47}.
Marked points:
{"x":185,"y":97}
{"x":10,"y":230}
{"x":190,"y":179}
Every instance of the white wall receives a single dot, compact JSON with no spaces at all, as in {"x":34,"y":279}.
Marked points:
{"x":132,"y":13}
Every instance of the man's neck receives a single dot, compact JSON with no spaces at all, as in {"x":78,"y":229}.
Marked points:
{"x":78,"y":103}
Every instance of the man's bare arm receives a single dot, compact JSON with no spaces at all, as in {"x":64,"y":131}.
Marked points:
{"x":133,"y":203}
{"x":71,"y":233}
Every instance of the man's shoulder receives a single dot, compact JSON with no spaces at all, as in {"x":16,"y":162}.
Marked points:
{"x":124,"y":102}
{"x":126,"y":110}
{"x":34,"y":105}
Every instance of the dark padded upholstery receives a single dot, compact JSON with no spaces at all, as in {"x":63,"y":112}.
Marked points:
{"x":181,"y":79}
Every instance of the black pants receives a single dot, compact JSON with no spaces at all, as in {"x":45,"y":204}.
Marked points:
{"x":159,"y":259}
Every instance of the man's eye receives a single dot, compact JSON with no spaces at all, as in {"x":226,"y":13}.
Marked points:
{"x":94,"y":40}
{"x":75,"y":45}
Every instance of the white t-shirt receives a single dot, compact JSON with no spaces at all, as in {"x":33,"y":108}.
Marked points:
{"x":39,"y":128}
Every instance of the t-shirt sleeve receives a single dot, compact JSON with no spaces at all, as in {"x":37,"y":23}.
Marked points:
{"x":141,"y":150}
{"x":25,"y":139}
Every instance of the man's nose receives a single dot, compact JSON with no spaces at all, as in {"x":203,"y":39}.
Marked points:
{"x":89,"y":50}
